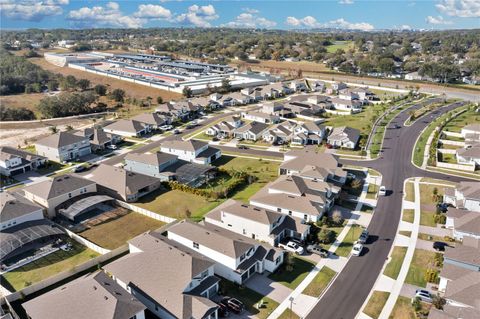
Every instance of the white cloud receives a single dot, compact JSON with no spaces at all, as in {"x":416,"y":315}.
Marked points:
{"x":437,"y":20}
{"x":250,"y":10}
{"x":152,"y":11}
{"x":199,"y":16}
{"x":107,"y":16}
{"x":250,"y":20}
{"x":311,"y":22}
{"x":460,"y":8}
{"x":345,"y":1}
{"x":405,"y":27}
{"x":31,"y":10}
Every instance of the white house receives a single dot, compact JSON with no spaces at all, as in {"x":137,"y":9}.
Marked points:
{"x":191,"y":150}
{"x":465,"y":196}
{"x":309,"y":133}
{"x":261,"y":117}
{"x":15,"y":161}
{"x":353,"y":106}
{"x":63,"y":146}
{"x":226,"y":127}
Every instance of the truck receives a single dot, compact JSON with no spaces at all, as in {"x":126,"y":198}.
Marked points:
{"x":292,"y":247}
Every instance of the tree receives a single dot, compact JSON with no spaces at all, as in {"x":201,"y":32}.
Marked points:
{"x":68,"y":83}
{"x":53,"y":129}
{"x":118,"y":95}
{"x":337,"y":217}
{"x":159,"y":99}
{"x":356,"y":183}
{"x":69,"y":128}
{"x":100,"y":89}
{"x":83,"y":84}
{"x":52,"y":85}
{"x":326,"y":236}
{"x":187,"y":92}
{"x":226,"y":87}
{"x":438,"y":302}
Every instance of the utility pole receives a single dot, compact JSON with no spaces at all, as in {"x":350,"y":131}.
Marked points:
{"x":291,"y":305}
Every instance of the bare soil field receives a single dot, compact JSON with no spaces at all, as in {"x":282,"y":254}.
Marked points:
{"x":133,"y":90}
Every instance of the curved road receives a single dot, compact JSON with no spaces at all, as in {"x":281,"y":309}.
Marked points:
{"x":345,"y":297}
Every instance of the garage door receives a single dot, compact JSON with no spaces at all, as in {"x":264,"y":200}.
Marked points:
{"x":16,"y":171}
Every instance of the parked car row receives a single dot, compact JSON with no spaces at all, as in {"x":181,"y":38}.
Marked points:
{"x":358,"y":245}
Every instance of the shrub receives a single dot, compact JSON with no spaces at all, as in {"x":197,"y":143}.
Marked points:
{"x":326,"y":236}
{"x":438,"y":302}
{"x":440,"y":219}
{"x":431,"y":275}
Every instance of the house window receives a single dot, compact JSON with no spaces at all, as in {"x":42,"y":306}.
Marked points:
{"x":277,"y":261}
{"x":242,"y":257}
{"x":69,"y":195}
{"x":196,"y":245}
{"x":305,"y":216}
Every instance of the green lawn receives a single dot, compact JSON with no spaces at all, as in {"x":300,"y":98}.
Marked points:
{"x":320,"y":282}
{"x":456,"y":124}
{"x":48,"y":266}
{"x":366,"y":209}
{"x":346,"y":245}
{"x":405,"y":233}
{"x":427,"y":219}
{"x":427,"y":193}
{"x":344,"y":45}
{"x":372,"y":191}
{"x":291,"y":279}
{"x":203,"y":136}
{"x":408,"y":215}
{"x":375,"y":303}
{"x":422,"y":260}
{"x":403,"y":309}
{"x":395,"y":264}
{"x":249,"y":298}
{"x":120,"y":230}
{"x":409,"y":192}
{"x":288,"y":314}
{"x":52,"y":167}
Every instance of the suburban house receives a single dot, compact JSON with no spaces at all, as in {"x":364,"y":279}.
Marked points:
{"x":471,"y":132}
{"x":469,"y":155}
{"x":237,"y":257}
{"x":167,"y":167}
{"x":254,"y":94}
{"x":14,"y":161}
{"x":241,"y":99}
{"x":94,"y":295}
{"x":298,"y":86}
{"x":318,"y":86}
{"x":172,"y":281}
{"x":465,"y":196}
{"x":344,"y":136}
{"x":261,"y":117}
{"x":251,"y":132}
{"x":309,"y":133}
{"x":312,"y":165}
{"x":128,"y":128}
{"x":191,"y":151}
{"x":99,"y":139}
{"x":58,"y":190}
{"x":16,"y":210}
{"x":63,"y":146}
{"x":274,"y":108}
{"x":168,"y":109}
{"x":464,"y":223}
{"x":452,"y":312}
{"x":226,"y":127}
{"x":336,"y":86}
{"x":280,"y":133}
{"x":122,"y":184}
{"x":153,"y":119}
{"x":353,"y":106}
{"x":364,"y":94}
{"x":309,"y":106}
{"x":296,"y":196}
{"x":257,"y":223}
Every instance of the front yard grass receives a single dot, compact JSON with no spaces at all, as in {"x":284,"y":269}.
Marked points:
{"x":372,"y":191}
{"x":375,"y":303}
{"x":427,"y":219}
{"x":409,"y":192}
{"x":422,"y":260}
{"x":403,"y":309}
{"x":320,"y":282}
{"x":427,"y":193}
{"x":346,"y":245}
{"x":249,"y":298}
{"x":408,"y":215}
{"x":48,"y":266}
{"x":291,"y":279}
{"x":395,"y":264}
{"x":289,"y":314}
{"x":117,"y":232}
{"x":51,"y":167}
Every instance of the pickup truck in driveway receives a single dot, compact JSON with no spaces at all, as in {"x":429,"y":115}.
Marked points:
{"x":292,"y":247}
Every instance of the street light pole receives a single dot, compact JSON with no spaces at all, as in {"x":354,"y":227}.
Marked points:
{"x":291,"y":306}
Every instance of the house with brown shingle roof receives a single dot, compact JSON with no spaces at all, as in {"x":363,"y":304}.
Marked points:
{"x":15,"y":161}
{"x":128,"y":128}
{"x":153,"y":119}
{"x":63,"y":146}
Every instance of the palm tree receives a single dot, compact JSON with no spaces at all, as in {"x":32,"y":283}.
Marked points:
{"x":69,"y":128}
{"x":53,"y":129}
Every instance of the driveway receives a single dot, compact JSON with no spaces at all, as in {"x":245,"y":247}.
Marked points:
{"x":269,"y":288}
{"x":425,"y":245}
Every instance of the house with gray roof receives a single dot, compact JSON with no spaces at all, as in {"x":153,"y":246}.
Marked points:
{"x":237,"y":257}
{"x":258,"y":223}
{"x":15,"y":209}
{"x":261,"y":117}
{"x":469,"y":155}
{"x":171,"y":280}
{"x":226,"y":127}
{"x":191,"y":151}
{"x":344,"y":136}
{"x":15,"y":161}
{"x":128,"y":128}
{"x":464,"y":223}
{"x":94,"y":295}
{"x":471,"y":133}
{"x":55,"y":191}
{"x":453,"y":312}
{"x":99,"y":139}
{"x":466,"y":195}
{"x":153,"y":119}
{"x":63,"y":146}
{"x":122,"y":184}
{"x":251,"y":132}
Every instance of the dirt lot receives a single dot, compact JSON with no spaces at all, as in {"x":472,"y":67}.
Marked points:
{"x":28,"y":101}
{"x":132,"y":89}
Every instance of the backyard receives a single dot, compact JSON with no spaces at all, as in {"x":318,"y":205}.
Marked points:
{"x":291,"y":278}
{"x":320,"y":282}
{"x":48,"y":266}
{"x":120,"y":230}
{"x":396,"y":260}
{"x":456,"y":124}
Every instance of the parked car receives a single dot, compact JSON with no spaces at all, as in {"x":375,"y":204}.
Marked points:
{"x":78,"y":169}
{"x":443,"y":207}
{"x":319,"y":250}
{"x":176,"y":131}
{"x":363,"y":237}
{"x":242,"y":147}
{"x":233,"y":304}
{"x":382,"y":191}
{"x":166,"y":127}
{"x":357,"y":249}
{"x":112,"y":147}
{"x":424,"y":295}
{"x":439,"y":245}
{"x":292,"y":247}
{"x":223,"y":310}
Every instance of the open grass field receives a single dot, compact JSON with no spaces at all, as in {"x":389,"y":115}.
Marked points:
{"x":375,"y":304}
{"x":132,"y":89}
{"x":291,"y":279}
{"x":408,"y":215}
{"x":462,"y":120}
{"x":120,"y":230}
{"x":29,"y":101}
{"x":343,"y":45}
{"x":249,"y":298}
{"x":48,"y":266}
{"x":320,"y":282}
{"x":422,"y":260}
{"x":304,"y":66}
{"x":346,"y":245}
{"x":395,"y":264}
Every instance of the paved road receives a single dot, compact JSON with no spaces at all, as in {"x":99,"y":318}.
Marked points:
{"x":351,"y":288}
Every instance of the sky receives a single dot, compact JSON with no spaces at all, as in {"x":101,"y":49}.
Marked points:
{"x":269,"y":14}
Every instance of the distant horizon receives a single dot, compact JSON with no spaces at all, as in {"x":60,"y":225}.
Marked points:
{"x":361,"y":15}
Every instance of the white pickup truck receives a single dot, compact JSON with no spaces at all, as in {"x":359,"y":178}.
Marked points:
{"x":292,"y":247}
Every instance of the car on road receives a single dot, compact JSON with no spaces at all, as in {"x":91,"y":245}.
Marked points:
{"x":112,"y":147}
{"x":363,"y":237}
{"x":439,"y":245}
{"x":176,"y":131}
{"x":242,"y":147}
{"x":382,"y":191}
{"x":397,"y":126}
{"x":166,"y":127}
{"x":319,"y":250}
{"x":79,"y":169}
{"x":292,"y":247}
{"x":233,"y":304}
{"x":424,"y":295}
{"x":357,"y":249}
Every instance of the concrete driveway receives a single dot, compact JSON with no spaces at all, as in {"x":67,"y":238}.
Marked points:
{"x":269,"y":288}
